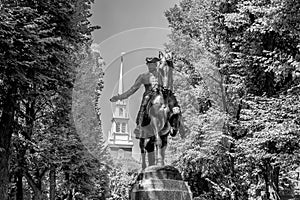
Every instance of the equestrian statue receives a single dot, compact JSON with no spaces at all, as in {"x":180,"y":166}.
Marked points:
{"x":159,"y":114}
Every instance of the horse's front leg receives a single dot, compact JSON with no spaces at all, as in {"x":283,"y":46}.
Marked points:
{"x":162,"y":155}
{"x":163,"y":148}
{"x":150,"y":148}
{"x":158,"y":142}
{"x":159,"y":158}
{"x":143,"y":152}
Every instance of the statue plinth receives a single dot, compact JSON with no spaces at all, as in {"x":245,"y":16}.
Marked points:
{"x":160,"y":183}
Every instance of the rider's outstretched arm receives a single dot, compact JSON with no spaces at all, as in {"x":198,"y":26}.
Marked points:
{"x":137,"y":84}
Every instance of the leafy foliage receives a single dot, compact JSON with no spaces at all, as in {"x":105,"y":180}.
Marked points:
{"x":120,"y":183}
{"x":271,"y":144}
{"x":246,"y":56}
{"x":41,"y":47}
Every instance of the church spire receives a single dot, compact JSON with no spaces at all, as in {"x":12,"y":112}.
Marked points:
{"x":120,"y":138}
{"x":120,"y":91}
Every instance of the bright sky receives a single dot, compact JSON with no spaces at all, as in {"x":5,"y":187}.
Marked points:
{"x":137,"y":27}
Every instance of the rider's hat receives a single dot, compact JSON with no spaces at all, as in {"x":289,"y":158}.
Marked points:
{"x":152,"y":59}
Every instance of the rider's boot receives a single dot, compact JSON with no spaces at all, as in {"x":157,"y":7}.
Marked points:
{"x":139,"y":120}
{"x":140,"y":117}
{"x":137,"y":131}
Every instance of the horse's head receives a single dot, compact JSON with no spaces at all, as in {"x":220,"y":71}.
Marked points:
{"x":167,"y":56}
{"x":167,"y":61}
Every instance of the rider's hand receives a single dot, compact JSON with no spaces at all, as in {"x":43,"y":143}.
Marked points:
{"x":114,"y":98}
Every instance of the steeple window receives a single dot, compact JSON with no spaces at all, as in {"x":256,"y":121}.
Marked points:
{"x":123,"y":127}
{"x":118,"y":128}
{"x":121,"y":112}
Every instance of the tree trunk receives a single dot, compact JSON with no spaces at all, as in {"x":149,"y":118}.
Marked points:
{"x":6,"y":129}
{"x":4,"y":177}
{"x":267,"y":180}
{"x":37,"y":195}
{"x":70,"y":194}
{"x":269,"y":83}
{"x":267,"y":186}
{"x":19,"y":194}
{"x":52,"y":177}
{"x":21,"y":151}
{"x":70,"y":190}
{"x":35,"y":186}
{"x":223,"y":93}
{"x":275,"y":178}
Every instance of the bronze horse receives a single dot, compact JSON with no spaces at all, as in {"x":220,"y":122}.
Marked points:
{"x":159,"y":127}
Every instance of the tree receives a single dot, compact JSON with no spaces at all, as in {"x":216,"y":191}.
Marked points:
{"x":86,"y":114}
{"x":121,"y":182}
{"x":270,"y":148}
{"x":264,"y":53}
{"x":198,"y":47}
{"x":36,"y":60}
{"x":251,"y":48}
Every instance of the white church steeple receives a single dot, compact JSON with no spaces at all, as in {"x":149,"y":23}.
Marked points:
{"x":120,"y":138}
{"x":120,"y":90}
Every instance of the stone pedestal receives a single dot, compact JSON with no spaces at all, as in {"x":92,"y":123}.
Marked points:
{"x":160,"y":183}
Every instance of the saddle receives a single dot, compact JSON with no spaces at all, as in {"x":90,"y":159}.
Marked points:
{"x":145,"y":114}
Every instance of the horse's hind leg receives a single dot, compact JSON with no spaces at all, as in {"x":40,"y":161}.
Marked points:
{"x":143,"y":152}
{"x":151,"y":151}
{"x":155,"y":125}
{"x":164,"y":140}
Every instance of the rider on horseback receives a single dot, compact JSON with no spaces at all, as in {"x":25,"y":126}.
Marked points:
{"x":153,"y":82}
